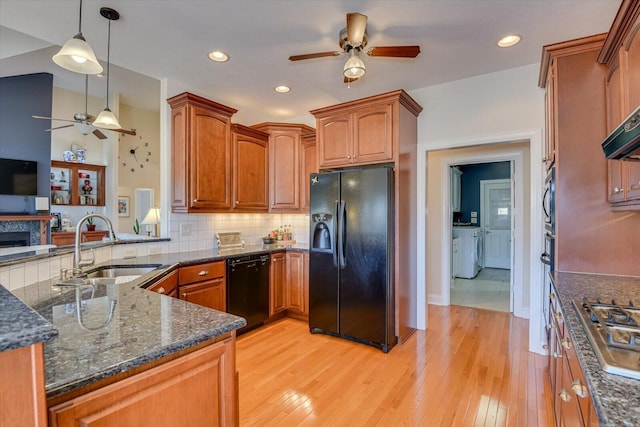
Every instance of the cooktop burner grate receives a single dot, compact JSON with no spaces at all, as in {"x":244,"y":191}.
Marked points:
{"x":614,"y":333}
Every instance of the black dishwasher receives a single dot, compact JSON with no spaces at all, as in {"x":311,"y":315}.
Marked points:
{"x":248,"y":289}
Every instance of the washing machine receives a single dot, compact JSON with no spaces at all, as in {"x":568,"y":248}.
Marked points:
{"x":470,"y":251}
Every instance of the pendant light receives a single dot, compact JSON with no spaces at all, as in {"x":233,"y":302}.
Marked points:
{"x":106,"y":119}
{"x":354,"y":67}
{"x":77,"y":55}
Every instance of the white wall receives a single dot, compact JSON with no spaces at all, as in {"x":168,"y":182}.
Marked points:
{"x":496,"y":107}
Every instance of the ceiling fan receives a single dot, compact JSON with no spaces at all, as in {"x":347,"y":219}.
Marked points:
{"x":353,"y":41}
{"x":83,"y":121}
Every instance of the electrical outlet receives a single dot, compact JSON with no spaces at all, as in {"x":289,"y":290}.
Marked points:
{"x":474,"y":214}
{"x":185,"y":230}
{"x":474,"y":220}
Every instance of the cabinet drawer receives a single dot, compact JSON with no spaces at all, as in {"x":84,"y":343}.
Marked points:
{"x":166,"y":285}
{"x":200,"y":272}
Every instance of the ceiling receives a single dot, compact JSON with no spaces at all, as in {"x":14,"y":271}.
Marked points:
{"x":170,"y":39}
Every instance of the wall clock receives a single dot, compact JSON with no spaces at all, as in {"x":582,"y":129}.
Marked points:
{"x":138,"y":156}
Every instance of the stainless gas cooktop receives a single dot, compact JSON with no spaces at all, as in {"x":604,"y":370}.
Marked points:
{"x":614,"y":332}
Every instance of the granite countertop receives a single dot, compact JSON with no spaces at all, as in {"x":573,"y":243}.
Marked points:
{"x":19,"y":325}
{"x":103,"y":330}
{"x":616,"y":398}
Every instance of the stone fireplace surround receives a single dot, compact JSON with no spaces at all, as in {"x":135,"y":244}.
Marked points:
{"x":35,"y":225}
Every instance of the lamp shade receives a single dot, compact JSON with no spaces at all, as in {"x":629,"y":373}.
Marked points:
{"x":76,"y":55}
{"x":152,"y":217}
{"x":106,"y":120}
{"x":354,"y":67}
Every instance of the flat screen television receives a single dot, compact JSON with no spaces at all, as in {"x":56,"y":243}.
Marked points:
{"x":18,"y":177}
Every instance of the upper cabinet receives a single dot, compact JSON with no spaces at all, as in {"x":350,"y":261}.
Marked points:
{"x":250,"y":169}
{"x":291,"y":151}
{"x":621,"y":53}
{"x":355,"y":134}
{"x":77,"y":184}
{"x":201,"y":152}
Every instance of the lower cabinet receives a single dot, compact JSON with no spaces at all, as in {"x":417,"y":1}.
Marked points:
{"x":204,"y":284}
{"x":22,"y":396}
{"x":277,"y":284}
{"x":289,"y":285}
{"x":168,"y":285}
{"x":571,"y":398}
{"x":197,"y":389}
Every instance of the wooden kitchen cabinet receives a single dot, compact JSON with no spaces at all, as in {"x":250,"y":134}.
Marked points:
{"x":77,"y":184}
{"x":201,"y":154}
{"x":550,"y":101}
{"x":168,"y":285}
{"x":277,"y":277}
{"x":297,"y":295}
{"x":250,"y":169}
{"x":204,"y":284}
{"x":22,"y":387}
{"x":621,"y":53}
{"x":309,"y":164}
{"x":199,"y":388}
{"x":288,"y":148}
{"x":355,"y":135}
{"x":65,"y":238}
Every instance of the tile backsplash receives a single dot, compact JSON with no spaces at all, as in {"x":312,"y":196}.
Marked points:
{"x":203,"y":228}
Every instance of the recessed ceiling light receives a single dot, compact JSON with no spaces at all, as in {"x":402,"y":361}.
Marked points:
{"x":282,"y":89}
{"x":509,"y":40}
{"x":218,"y":56}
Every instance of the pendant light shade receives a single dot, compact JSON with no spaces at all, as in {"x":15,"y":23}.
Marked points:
{"x":106,"y":119}
{"x":354,"y":67}
{"x":77,"y":55}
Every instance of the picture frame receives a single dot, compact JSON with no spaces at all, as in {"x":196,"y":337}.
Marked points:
{"x":123,"y":206}
{"x":56,"y":222}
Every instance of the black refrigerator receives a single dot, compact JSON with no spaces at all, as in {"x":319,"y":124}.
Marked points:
{"x":351,"y":255}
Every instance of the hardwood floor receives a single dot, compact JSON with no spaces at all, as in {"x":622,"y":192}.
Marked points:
{"x":470,"y":368}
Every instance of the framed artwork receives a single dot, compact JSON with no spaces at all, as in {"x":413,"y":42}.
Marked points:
{"x":123,"y":206}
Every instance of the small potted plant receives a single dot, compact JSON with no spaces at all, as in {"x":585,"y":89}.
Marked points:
{"x":90,"y":225}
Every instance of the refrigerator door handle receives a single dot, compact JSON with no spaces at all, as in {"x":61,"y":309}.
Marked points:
{"x":334,"y":245}
{"x":342,"y":221}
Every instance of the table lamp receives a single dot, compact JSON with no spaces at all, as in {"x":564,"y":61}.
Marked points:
{"x":152,"y":218}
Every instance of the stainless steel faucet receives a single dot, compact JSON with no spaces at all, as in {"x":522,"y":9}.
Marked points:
{"x":78,"y":262}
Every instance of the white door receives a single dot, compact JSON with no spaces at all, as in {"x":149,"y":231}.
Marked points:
{"x":495,"y":212}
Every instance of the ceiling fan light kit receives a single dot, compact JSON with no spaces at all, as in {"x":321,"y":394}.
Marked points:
{"x":77,"y":55}
{"x":352,"y":40}
{"x":106,"y":119}
{"x":354,"y":67}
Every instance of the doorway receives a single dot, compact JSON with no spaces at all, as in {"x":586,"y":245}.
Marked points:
{"x":481,"y":235}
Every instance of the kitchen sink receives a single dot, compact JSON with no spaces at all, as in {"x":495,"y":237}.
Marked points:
{"x":110,"y":275}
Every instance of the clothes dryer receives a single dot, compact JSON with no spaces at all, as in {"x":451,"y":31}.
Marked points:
{"x":470,"y":247}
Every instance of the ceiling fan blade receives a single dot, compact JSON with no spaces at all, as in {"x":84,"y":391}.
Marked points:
{"x":51,"y":118}
{"x":127,"y":131}
{"x":99,"y":134}
{"x":313,"y":55}
{"x":356,"y":27}
{"x":395,"y":51}
{"x":59,"y":127}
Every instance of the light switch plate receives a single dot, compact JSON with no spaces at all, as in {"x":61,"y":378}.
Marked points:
{"x":155,"y":250}
{"x":474,"y":220}
{"x":130,"y":253}
{"x":474,"y":214}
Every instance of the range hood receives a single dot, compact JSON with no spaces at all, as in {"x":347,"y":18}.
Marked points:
{"x":624,"y":142}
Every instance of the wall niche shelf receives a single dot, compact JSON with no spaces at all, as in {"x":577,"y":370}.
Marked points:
{"x":77,"y":184}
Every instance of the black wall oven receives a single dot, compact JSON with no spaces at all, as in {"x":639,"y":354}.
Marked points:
{"x":549,"y":211}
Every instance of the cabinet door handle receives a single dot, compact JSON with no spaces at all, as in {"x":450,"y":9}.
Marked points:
{"x":566,"y":343}
{"x":566,"y":397}
{"x":579,"y":389}
{"x":617,"y":190}
{"x":184,"y":294}
{"x":203,"y":273}
{"x":237,"y":202}
{"x":552,"y":296}
{"x":558,"y":316}
{"x":545,"y":346}
{"x":161,"y":290}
